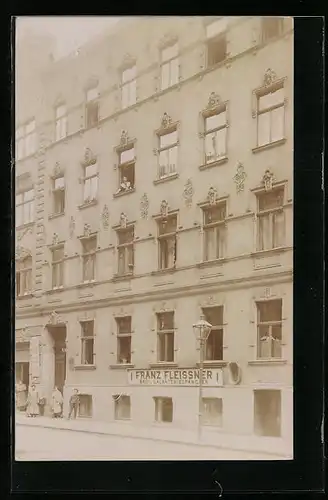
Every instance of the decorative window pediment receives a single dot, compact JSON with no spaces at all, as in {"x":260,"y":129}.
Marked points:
{"x":169,"y":38}
{"x":54,"y":319}
{"x":127,"y":61}
{"x":24,"y":182}
{"x":166,"y":124}
{"x":58,"y":170}
{"x":87,"y":231}
{"x":22,"y":253}
{"x":125,"y":142}
{"x":92,"y":83}
{"x":89,"y":158}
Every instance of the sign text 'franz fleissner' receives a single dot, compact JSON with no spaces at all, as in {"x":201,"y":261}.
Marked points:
{"x":211,"y":377}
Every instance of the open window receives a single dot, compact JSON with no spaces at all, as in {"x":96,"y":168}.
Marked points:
{"x":214,"y":343}
{"x":124,"y":339}
{"x":92,"y":107}
{"x":165,"y":337}
{"x":87,"y":343}
{"x":216,"y":44}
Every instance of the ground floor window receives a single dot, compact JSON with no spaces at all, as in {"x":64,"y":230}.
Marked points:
{"x":267,"y":412}
{"x":163,"y":409}
{"x":122,"y":405}
{"x":212,"y":411}
{"x":85,"y":407}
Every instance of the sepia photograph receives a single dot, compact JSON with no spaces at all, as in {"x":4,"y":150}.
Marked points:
{"x":154,"y":198}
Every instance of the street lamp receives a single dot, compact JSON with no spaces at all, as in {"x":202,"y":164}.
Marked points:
{"x":202,"y":330}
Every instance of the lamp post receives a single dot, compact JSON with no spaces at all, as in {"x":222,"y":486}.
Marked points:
{"x":202,"y":330}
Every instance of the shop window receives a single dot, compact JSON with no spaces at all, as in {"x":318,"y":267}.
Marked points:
{"x":129,"y":86}
{"x":92,"y":108}
{"x":169,"y":66}
{"x":269,"y":329}
{"x":24,"y":207}
{"x":271,"y":28}
{"x":214,"y":231}
{"x":126,"y":168}
{"x":24,"y":276}
{"x":89,"y":247}
{"x":87,"y":343}
{"x":59,"y":195}
{"x":163,"y":409}
{"x":85,"y":406}
{"x":271,"y":220}
{"x":125,"y":249}
{"x":267,"y":412}
{"x":57,"y":267}
{"x":214,"y":343}
{"x":122,"y":407}
{"x":61,"y":122}
{"x":167,"y":153}
{"x":167,"y":241}
{"x":124,"y":339}
{"x":271,"y":114}
{"x":212,"y":411}
{"x":165,"y":336}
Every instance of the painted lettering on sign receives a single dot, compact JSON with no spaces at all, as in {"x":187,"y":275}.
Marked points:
{"x":211,"y":377}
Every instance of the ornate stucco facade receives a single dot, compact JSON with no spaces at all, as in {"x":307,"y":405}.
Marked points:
{"x":244,"y":274}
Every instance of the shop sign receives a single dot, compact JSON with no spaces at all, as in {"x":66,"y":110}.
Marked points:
{"x":180,"y":377}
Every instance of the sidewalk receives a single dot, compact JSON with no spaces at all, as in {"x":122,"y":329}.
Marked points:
{"x":157,"y":433}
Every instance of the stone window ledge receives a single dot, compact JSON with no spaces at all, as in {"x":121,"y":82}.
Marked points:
{"x":216,"y":163}
{"x":84,"y":367}
{"x":54,"y":216}
{"x":267,"y":362}
{"x":270,"y":145}
{"x":89,"y":204}
{"x":121,"y":366}
{"x":169,"y":270}
{"x":25,"y":296}
{"x":210,"y":263}
{"x":85,"y":284}
{"x":25,"y":226}
{"x":54,"y":290}
{"x":163,"y":364}
{"x":270,"y":251}
{"x":166,"y":179}
{"x":213,"y":364}
{"x":122,"y":277}
{"x":124,"y":193}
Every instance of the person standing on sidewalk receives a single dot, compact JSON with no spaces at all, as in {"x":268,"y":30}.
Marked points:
{"x":33,"y":402}
{"x":56,"y":403}
{"x":74,"y":403}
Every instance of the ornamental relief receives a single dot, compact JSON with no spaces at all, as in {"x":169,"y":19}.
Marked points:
{"x":188,"y":193}
{"x":21,"y":253}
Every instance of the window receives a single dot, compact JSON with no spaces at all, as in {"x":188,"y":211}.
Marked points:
{"x":215,"y":136}
{"x":214,"y":343}
{"x":165,"y":336}
{"x":25,"y":140}
{"x":167,"y":240}
{"x":270,"y":115}
{"x":126,"y":167}
{"x":122,"y":406}
{"x":169,"y":66}
{"x":271,"y":220}
{"x":163,"y":409}
{"x":90,"y":181}
{"x":24,"y":207}
{"x":24,"y":276}
{"x":85,"y":406}
{"x":87,"y":343}
{"x":124,"y":339}
{"x":214,"y":232}
{"x":61,"y":122}
{"x":129,"y":86}
{"x":212,"y":411}
{"x":89,"y":246}
{"x":269,"y":329}
{"x":216,"y":42}
{"x":267,"y":412}
{"x":92,"y":108}
{"x":57,"y":267}
{"x":271,"y":27}
{"x":168,"y":153}
{"x":59,"y":195}
{"x":125,"y":250}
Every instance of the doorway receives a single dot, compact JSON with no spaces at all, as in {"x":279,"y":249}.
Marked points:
{"x":58,"y":334}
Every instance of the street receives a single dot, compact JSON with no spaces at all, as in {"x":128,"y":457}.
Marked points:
{"x":40,"y":443}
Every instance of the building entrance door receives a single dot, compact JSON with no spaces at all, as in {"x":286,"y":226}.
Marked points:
{"x":58,"y":334}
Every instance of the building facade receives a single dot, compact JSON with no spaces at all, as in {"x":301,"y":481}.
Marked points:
{"x":154,"y":185}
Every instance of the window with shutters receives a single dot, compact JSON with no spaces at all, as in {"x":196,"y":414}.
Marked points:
{"x":57,"y":266}
{"x":163,"y":409}
{"x":271,"y":219}
{"x":87,"y":343}
{"x":216,"y":45}
{"x":270,"y":113}
{"x":24,"y":276}
{"x":89,"y":247}
{"x":269,"y":329}
{"x":26,"y":140}
{"x":212,"y":411}
{"x":124,"y":339}
{"x":169,"y":66}
{"x":129,"y":86}
{"x":125,"y":250}
{"x":267,"y":412}
{"x":271,"y":28}
{"x":58,"y":193}
{"x":92,"y":107}
{"x":214,"y":343}
{"x":214,"y":228}
{"x":24,"y":207}
{"x":165,"y":337}
{"x":122,"y":407}
{"x":167,"y":241}
{"x":61,"y":122}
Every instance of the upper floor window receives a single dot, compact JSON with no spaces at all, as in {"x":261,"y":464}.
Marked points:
{"x":92,"y":107}
{"x":24,"y":207}
{"x":271,"y":27}
{"x":61,"y":122}
{"x":269,"y":329}
{"x":216,"y":42}
{"x":87,"y":342}
{"x":26,"y":140}
{"x":215,"y":135}
{"x":89,"y":247}
{"x":167,"y":240}
{"x":57,"y":267}
{"x":271,"y":219}
{"x":129,"y":86}
{"x":214,"y":231}
{"x":124,"y":339}
{"x":58,"y":193}
{"x":125,"y":248}
{"x":126,"y":166}
{"x":168,"y":153}
{"x":214,"y":343}
{"x":122,"y":407}
{"x":24,"y":276}
{"x":90,"y":182}
{"x":169,"y":66}
{"x":165,"y":336}
{"x":271,"y":114}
